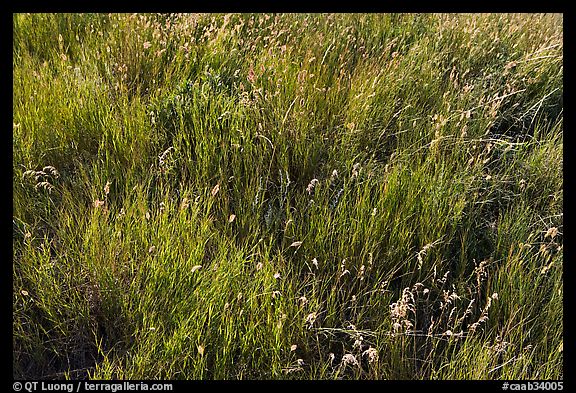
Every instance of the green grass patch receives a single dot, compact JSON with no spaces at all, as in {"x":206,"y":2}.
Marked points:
{"x":287,"y":196}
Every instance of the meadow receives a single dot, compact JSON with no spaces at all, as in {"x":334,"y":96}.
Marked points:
{"x":287,"y":196}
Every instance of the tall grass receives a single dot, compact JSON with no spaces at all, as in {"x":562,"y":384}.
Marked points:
{"x":257,"y":196}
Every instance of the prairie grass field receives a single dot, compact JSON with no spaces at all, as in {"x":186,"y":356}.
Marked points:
{"x":287,"y":196}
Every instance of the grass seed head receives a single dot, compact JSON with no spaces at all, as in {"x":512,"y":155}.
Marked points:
{"x":315,"y":263}
{"x":349,"y":360}
{"x":371,"y":354}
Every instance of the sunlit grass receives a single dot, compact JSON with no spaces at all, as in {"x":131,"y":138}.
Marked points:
{"x":256,"y":196}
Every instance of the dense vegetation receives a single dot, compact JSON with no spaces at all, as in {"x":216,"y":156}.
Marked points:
{"x":287,"y":196}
